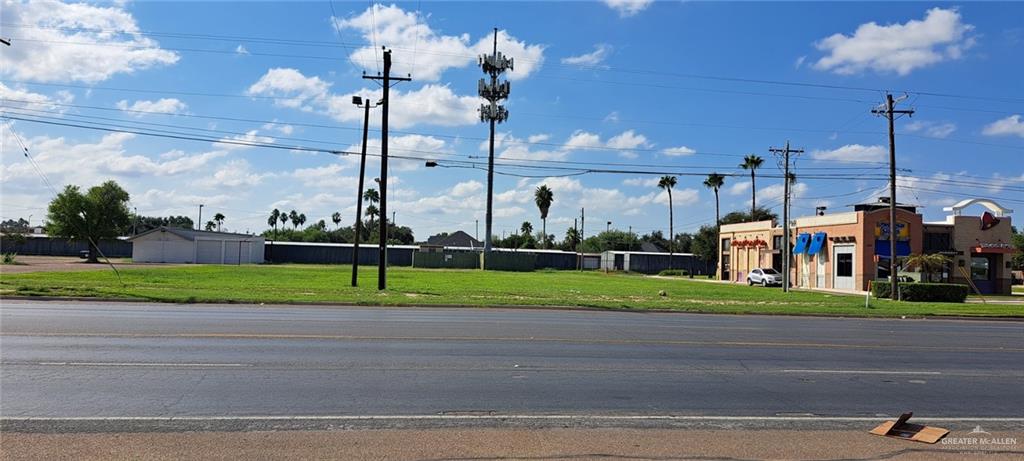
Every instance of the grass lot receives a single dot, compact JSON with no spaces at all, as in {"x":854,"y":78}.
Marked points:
{"x":313,"y":283}
{"x":1018,"y":289}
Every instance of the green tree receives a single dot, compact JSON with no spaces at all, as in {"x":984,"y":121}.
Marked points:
{"x":371,"y":213}
{"x":543,"y":197}
{"x":219,"y":219}
{"x":336,"y":218}
{"x":572,"y":239}
{"x":272,"y":220}
{"x":294,"y":217}
{"x":667,"y":183}
{"x":284,"y":219}
{"x":210,"y":226}
{"x":526,"y":228}
{"x":752,"y":163}
{"x":928,"y":263}
{"x":1018,"y":258}
{"x":100,"y":213}
{"x":714,"y":182}
{"x":705,"y":243}
{"x":302,"y":219}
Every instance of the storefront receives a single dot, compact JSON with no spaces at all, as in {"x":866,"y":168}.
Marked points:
{"x":847,"y":251}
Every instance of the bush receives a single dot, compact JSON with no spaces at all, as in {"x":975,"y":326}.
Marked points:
{"x":10,"y":258}
{"x":924,"y":292}
{"x":674,"y":273}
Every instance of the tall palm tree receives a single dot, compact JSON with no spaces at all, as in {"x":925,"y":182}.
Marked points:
{"x":371,"y":195}
{"x":294,"y":216}
{"x":752,"y":162}
{"x":543,"y":197}
{"x":302,"y":219}
{"x":336,"y":218}
{"x":284,"y":219}
{"x":667,"y":183}
{"x":272,"y":220}
{"x":715,"y":181}
{"x":371,"y":213}
{"x":526,"y":228}
{"x":219,"y":219}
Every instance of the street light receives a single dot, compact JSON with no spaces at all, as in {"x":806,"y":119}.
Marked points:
{"x":358,"y":101}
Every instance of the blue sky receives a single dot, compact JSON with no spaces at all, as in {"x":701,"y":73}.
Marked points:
{"x":648,"y":86}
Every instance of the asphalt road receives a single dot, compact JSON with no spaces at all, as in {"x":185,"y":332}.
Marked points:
{"x":125,"y":363}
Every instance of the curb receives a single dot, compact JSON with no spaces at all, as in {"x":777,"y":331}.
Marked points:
{"x":514,"y":306}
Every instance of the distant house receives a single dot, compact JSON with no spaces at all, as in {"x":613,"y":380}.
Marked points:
{"x":455,"y":239}
{"x":177,"y":245}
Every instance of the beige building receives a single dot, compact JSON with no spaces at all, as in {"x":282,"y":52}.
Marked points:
{"x":847,"y":251}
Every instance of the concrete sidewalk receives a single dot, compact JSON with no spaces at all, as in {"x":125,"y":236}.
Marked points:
{"x":564,"y":444}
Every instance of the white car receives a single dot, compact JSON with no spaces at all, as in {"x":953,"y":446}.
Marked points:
{"x":764,"y":277}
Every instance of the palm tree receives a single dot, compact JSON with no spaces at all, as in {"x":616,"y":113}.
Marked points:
{"x":210,"y":225}
{"x":284,"y":219}
{"x":371,"y":213}
{"x":294,"y":216}
{"x":526,"y":228}
{"x":219,"y":219}
{"x":572,"y":237}
{"x":302,"y":219}
{"x":715,"y":181}
{"x":336,"y":218}
{"x":272,"y":220}
{"x":543,"y":197}
{"x":752,"y":162}
{"x":929,"y":263}
{"x":667,"y":183}
{"x":371,"y":195}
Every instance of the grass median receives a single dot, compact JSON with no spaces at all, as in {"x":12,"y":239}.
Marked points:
{"x":331,"y":284}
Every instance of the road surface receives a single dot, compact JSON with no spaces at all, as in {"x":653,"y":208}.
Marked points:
{"x":121,"y":365}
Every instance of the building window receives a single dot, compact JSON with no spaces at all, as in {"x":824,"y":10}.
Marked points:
{"x":777,"y":242}
{"x":883,"y":269}
{"x":979,"y":268}
{"x":844,"y":265}
{"x":725,"y":244}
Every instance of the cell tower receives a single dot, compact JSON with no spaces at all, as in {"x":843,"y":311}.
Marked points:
{"x":494,"y":65}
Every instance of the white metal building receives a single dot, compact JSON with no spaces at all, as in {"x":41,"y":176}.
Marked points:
{"x":176,"y":245}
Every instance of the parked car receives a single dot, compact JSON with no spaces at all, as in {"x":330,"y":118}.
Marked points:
{"x":764,"y":277}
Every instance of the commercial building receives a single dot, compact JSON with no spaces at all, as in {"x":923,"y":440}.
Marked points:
{"x":846,"y":251}
{"x":177,"y":245}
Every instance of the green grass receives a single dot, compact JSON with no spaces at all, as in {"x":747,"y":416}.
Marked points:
{"x":1018,"y":289}
{"x":315,"y":283}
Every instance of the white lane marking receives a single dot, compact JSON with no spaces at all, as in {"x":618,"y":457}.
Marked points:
{"x":141,"y":364}
{"x":500,"y":416}
{"x":866,"y":372}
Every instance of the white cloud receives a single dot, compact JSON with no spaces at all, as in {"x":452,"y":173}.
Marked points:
{"x":678,"y":151}
{"x":739,"y":188}
{"x":799,"y":62}
{"x":680,"y":197}
{"x":898,"y":48}
{"x":66,"y":42}
{"x":250,"y":139}
{"x":420,"y":50}
{"x":852,"y":153}
{"x":21,"y":98}
{"x":233,"y":174}
{"x":323,"y":176}
{"x":284,"y":129}
{"x":1009,"y":126}
{"x":627,"y":8}
{"x":161,"y":106}
{"x":933,"y":129}
{"x":467,"y":188}
{"x":431,"y":104}
{"x":80,"y":163}
{"x":412,"y":145}
{"x":600,"y":53}
{"x":773,"y":193}
{"x":641,"y":182}
{"x":241,"y":50}
{"x":580,"y":139}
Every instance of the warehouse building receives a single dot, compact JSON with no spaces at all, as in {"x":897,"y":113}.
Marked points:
{"x":177,"y":245}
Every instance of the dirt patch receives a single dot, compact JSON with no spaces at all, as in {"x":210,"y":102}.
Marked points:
{"x":67,"y":264}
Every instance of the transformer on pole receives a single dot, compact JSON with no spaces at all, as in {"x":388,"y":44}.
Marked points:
{"x":494,"y":65}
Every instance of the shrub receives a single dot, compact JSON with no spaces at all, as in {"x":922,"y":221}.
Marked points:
{"x":925,"y":292}
{"x":674,"y":273}
{"x":10,"y":258}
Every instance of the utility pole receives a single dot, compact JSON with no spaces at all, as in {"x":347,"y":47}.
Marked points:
{"x":200,"y":223}
{"x":358,"y":101}
{"x":476,"y":234}
{"x":889,"y":111}
{"x":583,"y":223}
{"x":493,"y":65}
{"x":786,"y":256}
{"x":382,"y":262}
{"x":575,"y":230}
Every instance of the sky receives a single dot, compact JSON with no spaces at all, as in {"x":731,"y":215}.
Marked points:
{"x":634,"y":89}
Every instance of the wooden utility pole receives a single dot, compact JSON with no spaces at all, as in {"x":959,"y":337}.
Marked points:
{"x":889,"y":111}
{"x":386,"y":79}
{"x":359,"y":194}
{"x":786,"y":252}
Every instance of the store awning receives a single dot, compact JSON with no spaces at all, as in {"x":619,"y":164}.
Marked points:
{"x":801,"y":243}
{"x":882,"y":248}
{"x":817,"y":242}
